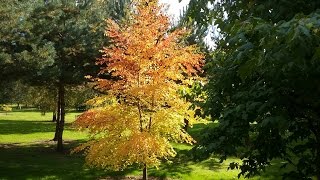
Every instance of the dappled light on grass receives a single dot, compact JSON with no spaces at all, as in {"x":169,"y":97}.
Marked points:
{"x":33,"y":156}
{"x":25,"y":127}
{"x":36,"y":161}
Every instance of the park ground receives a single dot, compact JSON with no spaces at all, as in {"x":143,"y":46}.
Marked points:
{"x":27,"y":152}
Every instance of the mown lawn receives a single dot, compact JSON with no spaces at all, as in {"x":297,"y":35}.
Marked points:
{"x":27,"y":152}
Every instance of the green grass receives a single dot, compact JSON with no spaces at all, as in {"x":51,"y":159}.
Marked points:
{"x":27,"y":152}
{"x":26,"y":127}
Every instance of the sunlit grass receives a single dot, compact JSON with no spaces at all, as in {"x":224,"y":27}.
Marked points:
{"x":25,"y":127}
{"x":27,"y":152}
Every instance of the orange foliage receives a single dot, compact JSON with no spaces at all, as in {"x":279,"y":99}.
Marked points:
{"x":143,"y":112}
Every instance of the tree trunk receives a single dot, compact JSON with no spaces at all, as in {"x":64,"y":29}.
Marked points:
{"x":318,"y":161}
{"x":145,"y":175}
{"x":43,"y":112}
{"x":57,"y":117}
{"x":62,"y":116}
{"x":55,"y":109}
{"x":54,"y":115}
{"x":315,"y":128}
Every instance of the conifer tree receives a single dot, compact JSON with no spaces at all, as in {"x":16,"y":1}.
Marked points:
{"x":64,"y":37}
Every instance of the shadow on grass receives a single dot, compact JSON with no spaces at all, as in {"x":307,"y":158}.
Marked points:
{"x":178,"y":165}
{"x":28,"y":126}
{"x":197,"y":129}
{"x":274,"y":171}
{"x":34,"y":109}
{"x":182,"y":165}
{"x":212,"y":163}
{"x":40,"y":161}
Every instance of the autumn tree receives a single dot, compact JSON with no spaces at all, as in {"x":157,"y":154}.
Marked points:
{"x":142,"y":111}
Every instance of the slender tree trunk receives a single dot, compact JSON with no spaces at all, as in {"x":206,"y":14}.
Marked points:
{"x":318,"y":170}
{"x":43,"y":112}
{"x":54,"y":115}
{"x":318,"y":160}
{"x":145,"y":174}
{"x":57,"y":117}
{"x":62,"y":116}
{"x":314,"y":125}
{"x":55,"y":109}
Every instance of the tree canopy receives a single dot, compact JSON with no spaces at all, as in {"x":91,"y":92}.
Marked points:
{"x":54,"y":43}
{"x":263,"y":83}
{"x":143,"y":111}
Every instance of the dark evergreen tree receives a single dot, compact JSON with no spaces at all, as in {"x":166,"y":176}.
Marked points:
{"x":12,"y":40}
{"x":54,"y":43}
{"x":70,"y":33}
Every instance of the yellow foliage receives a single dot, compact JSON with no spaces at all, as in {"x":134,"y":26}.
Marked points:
{"x":6,"y":108}
{"x":143,"y":112}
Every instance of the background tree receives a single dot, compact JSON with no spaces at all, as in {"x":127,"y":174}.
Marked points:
{"x":6,"y":108}
{"x":198,"y":34}
{"x":64,"y":36}
{"x":12,"y":41}
{"x":18,"y":93}
{"x":5,"y":92}
{"x":78,"y":96}
{"x":143,"y":110}
{"x":263,"y":86}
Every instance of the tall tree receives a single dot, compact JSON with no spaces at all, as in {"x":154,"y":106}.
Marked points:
{"x":143,"y":111}
{"x":264,"y":86}
{"x":65,"y":37}
{"x":12,"y":39}
{"x":53,"y":43}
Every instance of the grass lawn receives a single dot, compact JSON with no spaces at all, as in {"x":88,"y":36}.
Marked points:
{"x":27,"y":152}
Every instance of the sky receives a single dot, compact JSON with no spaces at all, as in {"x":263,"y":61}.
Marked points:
{"x":174,"y":11}
{"x":175,"y":7}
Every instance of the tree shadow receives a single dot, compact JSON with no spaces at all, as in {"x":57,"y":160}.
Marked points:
{"x":41,"y":161}
{"x":274,"y":171}
{"x":184,"y":160}
{"x":212,"y":163}
{"x":197,"y":129}
{"x":177,"y":165}
{"x":28,"y":126}
{"x":182,"y":164}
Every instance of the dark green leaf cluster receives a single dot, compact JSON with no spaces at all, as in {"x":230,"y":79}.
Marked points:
{"x":68,"y":39}
{"x":264,"y":84}
{"x":12,"y":39}
{"x":53,"y":44}
{"x":54,"y":40}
